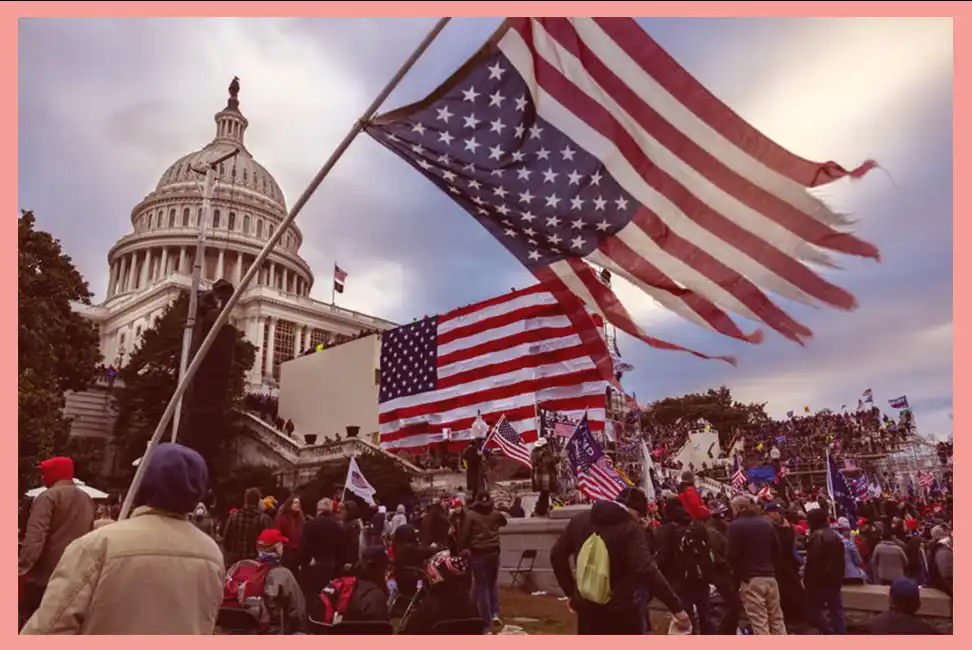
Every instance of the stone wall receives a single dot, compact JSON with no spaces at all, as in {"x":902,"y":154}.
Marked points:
{"x":861,"y":603}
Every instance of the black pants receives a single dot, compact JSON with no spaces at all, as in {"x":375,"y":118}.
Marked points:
{"x":731,"y":606}
{"x":30,"y":602}
{"x":543,"y":503}
{"x":695,"y":599}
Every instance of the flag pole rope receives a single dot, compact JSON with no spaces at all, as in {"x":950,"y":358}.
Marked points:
{"x":265,"y":253}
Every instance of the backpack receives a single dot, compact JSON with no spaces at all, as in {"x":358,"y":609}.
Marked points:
{"x":335,"y":599}
{"x":694,"y":557}
{"x":246,"y":583}
{"x":594,"y":571}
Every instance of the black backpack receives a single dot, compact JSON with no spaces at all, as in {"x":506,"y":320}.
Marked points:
{"x":693,"y":557}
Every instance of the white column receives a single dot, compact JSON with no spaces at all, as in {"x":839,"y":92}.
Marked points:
{"x":238,"y":271}
{"x":257,"y":340}
{"x":133,"y":265}
{"x":286,"y":278}
{"x":219,"y":265}
{"x":298,"y":335}
{"x":182,"y":259}
{"x":144,"y":275}
{"x":268,"y":371}
{"x":271,"y":275}
{"x":164,"y":271}
{"x":112,"y":272}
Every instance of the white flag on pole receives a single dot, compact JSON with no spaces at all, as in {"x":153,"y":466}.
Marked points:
{"x":358,"y":484}
{"x":646,"y":471}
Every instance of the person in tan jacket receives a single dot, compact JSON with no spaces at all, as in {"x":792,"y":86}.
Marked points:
{"x":153,"y":573}
{"x":59,"y":515}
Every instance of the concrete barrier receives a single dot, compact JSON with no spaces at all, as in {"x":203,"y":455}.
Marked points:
{"x":861,"y":602}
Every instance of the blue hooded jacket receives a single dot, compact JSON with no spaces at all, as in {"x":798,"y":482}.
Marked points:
{"x":176,"y":479}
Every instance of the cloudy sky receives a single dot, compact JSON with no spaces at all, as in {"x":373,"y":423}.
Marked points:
{"x":107,"y":104}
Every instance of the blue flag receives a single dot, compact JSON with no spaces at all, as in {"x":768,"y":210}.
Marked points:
{"x":839,"y":491}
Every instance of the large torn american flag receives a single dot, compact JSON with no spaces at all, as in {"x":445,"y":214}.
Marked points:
{"x":508,"y":355}
{"x":579,"y":142}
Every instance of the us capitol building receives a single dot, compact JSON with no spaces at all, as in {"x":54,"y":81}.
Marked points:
{"x":150,"y":266}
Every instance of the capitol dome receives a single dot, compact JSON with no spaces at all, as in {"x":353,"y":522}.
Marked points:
{"x":247,"y":206}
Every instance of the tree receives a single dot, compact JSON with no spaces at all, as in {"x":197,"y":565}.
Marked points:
{"x":58,"y":349}
{"x":150,"y":378}
{"x":392,"y":483}
{"x":228,"y":487}
{"x":715,"y":406}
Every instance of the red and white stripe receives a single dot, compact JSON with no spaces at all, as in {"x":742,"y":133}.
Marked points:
{"x":599,"y":482}
{"x":725,"y":214}
{"x":515,"y":451}
{"x":505,"y":356}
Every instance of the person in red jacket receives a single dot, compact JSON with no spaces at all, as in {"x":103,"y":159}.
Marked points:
{"x":689,"y":496}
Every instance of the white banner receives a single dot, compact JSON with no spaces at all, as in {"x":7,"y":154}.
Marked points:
{"x":358,"y":484}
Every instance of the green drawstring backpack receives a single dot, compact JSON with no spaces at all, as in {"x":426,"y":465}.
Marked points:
{"x":594,"y":571}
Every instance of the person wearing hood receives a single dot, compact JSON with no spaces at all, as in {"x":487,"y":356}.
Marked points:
{"x":823,"y":574}
{"x":409,"y":559}
{"x":904,"y":601}
{"x":890,"y":561}
{"x":853,"y":563}
{"x":202,"y":520}
{"x":59,"y":515}
{"x":153,"y":573}
{"x":632,"y":567}
{"x":434,"y":528}
{"x":398,"y":520}
{"x":480,"y":535}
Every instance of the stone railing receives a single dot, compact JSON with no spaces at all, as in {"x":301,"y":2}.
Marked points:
{"x":300,"y":453}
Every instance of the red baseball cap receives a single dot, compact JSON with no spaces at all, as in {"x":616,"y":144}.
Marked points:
{"x":271,"y":537}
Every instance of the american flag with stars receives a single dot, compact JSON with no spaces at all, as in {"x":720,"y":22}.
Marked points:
{"x":509,"y":355}
{"x":579,"y":143}
{"x":505,"y":438}
{"x":596,"y":478}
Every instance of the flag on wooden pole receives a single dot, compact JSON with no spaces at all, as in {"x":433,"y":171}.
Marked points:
{"x":579,"y":143}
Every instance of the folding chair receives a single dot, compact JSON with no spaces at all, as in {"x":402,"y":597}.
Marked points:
{"x":524,"y":576}
{"x":459,"y":627}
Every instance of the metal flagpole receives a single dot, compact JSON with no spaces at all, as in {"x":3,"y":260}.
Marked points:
{"x":262,"y":257}
{"x":208,"y":189}
{"x":333,"y":284}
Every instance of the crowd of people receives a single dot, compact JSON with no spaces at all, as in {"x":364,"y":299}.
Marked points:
{"x":767,"y":563}
{"x":174,"y":568}
{"x":779,"y":562}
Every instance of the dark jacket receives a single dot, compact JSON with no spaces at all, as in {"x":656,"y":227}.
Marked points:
{"x":59,"y":515}
{"x":632,"y":566}
{"x":480,"y":528}
{"x":324,"y":541}
{"x":435,"y":526}
{"x":241,"y":532}
{"x":824,"y":568}
{"x":897,"y":622}
{"x":441,"y":603}
{"x":369,"y":602}
{"x":753,"y":548}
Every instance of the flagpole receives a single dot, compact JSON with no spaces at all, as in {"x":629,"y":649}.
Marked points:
{"x":265,"y":253}
{"x":333,"y":285}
